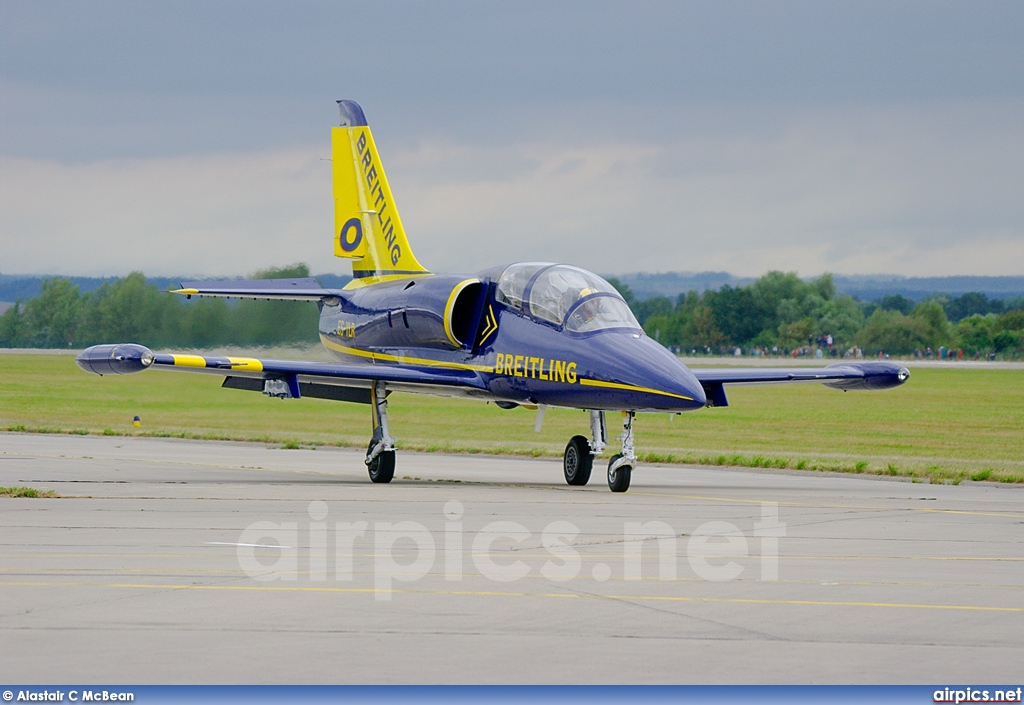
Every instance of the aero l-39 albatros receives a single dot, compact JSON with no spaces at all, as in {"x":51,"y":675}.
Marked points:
{"x":532,"y":333}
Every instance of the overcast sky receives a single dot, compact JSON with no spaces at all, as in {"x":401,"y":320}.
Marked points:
{"x":191,"y":137}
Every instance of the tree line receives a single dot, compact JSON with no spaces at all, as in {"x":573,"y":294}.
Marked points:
{"x":781,"y":314}
{"x":777,"y":314}
{"x":133,"y":310}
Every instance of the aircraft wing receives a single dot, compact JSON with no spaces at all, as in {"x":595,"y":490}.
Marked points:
{"x":843,"y":375}
{"x":283,"y":378}
{"x":307,"y":289}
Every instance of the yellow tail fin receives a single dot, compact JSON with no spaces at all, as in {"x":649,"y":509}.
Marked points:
{"x":367,"y":228}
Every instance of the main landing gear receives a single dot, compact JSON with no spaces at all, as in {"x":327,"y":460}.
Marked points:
{"x":380,"y":454}
{"x":578,"y":459}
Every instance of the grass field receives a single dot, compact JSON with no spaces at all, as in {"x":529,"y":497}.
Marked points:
{"x":944,"y":425}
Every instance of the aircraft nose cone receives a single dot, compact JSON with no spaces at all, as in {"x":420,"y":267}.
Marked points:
{"x":694,"y":388}
{"x":656,"y":378}
{"x":671,"y":376}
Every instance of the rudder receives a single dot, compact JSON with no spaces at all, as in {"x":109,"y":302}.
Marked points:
{"x":367,"y":227}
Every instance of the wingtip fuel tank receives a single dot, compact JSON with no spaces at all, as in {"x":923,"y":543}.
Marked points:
{"x":876,"y":375}
{"x":117,"y":359}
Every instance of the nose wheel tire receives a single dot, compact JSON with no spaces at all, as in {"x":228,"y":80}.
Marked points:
{"x":381,"y":468}
{"x":577,"y":461}
{"x":618,"y":478}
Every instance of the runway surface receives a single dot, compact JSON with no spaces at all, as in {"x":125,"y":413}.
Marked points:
{"x":135,"y":573}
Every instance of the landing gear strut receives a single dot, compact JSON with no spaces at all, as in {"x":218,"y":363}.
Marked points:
{"x":620,"y":466}
{"x":578,"y":459}
{"x":380,"y":454}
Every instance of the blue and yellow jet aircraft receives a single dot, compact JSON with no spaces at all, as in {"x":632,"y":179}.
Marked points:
{"x":533,"y":334}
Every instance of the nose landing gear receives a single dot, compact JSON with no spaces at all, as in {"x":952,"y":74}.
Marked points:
{"x":620,"y":466}
{"x":578,"y":459}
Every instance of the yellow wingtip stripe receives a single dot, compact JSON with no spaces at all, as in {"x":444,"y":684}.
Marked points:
{"x":249,"y":364}
{"x":189,"y":361}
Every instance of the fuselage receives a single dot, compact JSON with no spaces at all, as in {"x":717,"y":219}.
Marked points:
{"x":535,"y":333}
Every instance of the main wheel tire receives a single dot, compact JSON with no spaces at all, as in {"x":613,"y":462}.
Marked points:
{"x":618,"y":479}
{"x":577,"y":461}
{"x":382,"y":468}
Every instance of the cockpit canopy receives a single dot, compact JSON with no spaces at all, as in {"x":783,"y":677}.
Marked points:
{"x":571,"y":297}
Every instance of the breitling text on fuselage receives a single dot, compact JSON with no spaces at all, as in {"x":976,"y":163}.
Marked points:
{"x":535,"y":368}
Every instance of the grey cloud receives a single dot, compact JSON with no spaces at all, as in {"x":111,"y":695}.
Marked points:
{"x":487,"y":67}
{"x":871,"y":136}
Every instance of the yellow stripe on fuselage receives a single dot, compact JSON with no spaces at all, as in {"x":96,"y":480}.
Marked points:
{"x":630,"y":388}
{"x":387,"y":357}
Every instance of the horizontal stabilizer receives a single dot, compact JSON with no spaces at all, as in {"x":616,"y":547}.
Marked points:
{"x":306,"y":289}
